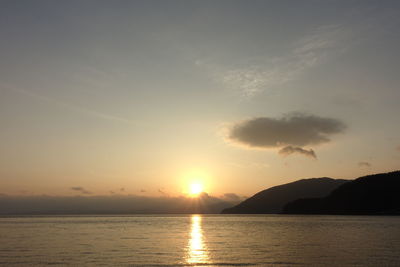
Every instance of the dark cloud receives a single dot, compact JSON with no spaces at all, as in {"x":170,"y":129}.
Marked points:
{"x":290,"y":133}
{"x":364,"y":164}
{"x":143,"y":191}
{"x":295,"y":130}
{"x":80,"y":189}
{"x":288,"y":150}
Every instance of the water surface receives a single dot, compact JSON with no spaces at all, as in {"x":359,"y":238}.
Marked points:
{"x":201,"y":240}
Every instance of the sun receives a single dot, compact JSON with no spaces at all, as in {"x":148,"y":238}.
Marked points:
{"x":195,"y":189}
{"x":195,"y":182}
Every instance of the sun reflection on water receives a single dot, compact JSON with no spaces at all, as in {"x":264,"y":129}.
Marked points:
{"x":197,"y":250}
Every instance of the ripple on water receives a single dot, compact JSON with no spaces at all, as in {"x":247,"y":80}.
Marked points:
{"x":201,"y":240}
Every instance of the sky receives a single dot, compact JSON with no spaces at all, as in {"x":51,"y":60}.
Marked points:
{"x":143,"y":98}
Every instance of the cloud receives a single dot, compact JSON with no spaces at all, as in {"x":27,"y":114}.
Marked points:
{"x":71,"y":106}
{"x":288,"y":150}
{"x":364,"y":164}
{"x":118,"y":191}
{"x":232,"y":197}
{"x":296,"y":129}
{"x":162,"y":192}
{"x":80,"y":189}
{"x":305,"y":53}
{"x":290,"y":133}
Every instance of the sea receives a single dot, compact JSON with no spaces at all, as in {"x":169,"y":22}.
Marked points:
{"x":200,"y":240}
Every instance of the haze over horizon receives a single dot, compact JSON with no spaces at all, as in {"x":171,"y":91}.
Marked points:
{"x":177,"y":98}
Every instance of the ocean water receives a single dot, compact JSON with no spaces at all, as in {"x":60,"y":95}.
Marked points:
{"x":200,"y":240}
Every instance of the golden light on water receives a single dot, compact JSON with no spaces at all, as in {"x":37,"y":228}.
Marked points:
{"x":197,"y":250}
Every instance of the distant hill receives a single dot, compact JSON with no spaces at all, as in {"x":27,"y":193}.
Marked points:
{"x":372,"y":194}
{"x":273,"y":200}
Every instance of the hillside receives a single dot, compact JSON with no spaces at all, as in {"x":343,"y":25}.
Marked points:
{"x":372,"y":194}
{"x":273,"y":200}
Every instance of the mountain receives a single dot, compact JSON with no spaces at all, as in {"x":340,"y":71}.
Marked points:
{"x":272,"y":200}
{"x":372,"y":194}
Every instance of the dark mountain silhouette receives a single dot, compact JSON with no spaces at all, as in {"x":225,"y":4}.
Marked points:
{"x":372,"y":194}
{"x":272,"y":200}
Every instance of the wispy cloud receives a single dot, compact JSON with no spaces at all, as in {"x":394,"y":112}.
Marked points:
{"x":305,"y":53}
{"x":70,"y":106}
{"x":364,"y":164}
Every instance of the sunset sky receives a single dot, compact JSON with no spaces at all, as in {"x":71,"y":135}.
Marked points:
{"x":149,"y":97}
